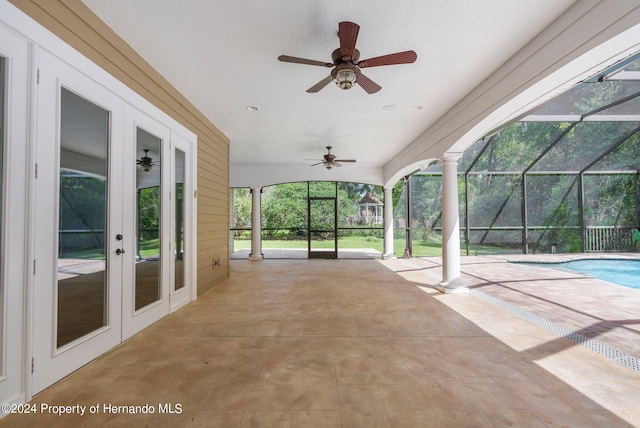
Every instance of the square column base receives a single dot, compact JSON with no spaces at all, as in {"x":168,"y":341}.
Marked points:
{"x":389,"y":256}
{"x":452,"y":287}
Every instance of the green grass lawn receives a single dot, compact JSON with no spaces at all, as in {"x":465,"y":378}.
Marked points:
{"x":419,"y":249}
{"x":149,"y":248}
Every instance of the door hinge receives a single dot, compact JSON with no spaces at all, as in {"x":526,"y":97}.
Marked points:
{"x":36,"y":170}
{"x":38,"y":77}
{"x":195,"y":193}
{"x":33,"y":364}
{"x":34,"y":266}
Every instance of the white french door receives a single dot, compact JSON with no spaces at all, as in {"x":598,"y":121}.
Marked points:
{"x":111,"y":221}
{"x":147,"y":226}
{"x":78,"y":262}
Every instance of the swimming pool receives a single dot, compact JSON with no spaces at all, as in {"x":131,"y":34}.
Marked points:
{"x":623,"y":272}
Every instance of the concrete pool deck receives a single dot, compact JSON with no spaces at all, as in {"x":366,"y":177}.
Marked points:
{"x":599,"y":310}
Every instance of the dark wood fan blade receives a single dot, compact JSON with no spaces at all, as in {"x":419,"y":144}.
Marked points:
{"x":406,"y":57}
{"x":348,"y":34}
{"x":344,"y":160}
{"x":296,"y":60}
{"x":321,"y":84}
{"x":367,"y":84}
{"x":319,"y":163}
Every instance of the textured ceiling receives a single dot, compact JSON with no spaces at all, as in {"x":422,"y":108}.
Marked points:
{"x":222,"y":55}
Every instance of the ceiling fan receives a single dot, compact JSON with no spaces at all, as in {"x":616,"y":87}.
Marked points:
{"x":146,"y":162}
{"x":346,"y":62}
{"x":330,"y":160}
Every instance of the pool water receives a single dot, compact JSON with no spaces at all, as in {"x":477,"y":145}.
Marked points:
{"x":623,"y":272}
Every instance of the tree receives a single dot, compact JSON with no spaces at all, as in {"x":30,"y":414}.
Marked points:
{"x":284,"y":209}
{"x":241,"y":213}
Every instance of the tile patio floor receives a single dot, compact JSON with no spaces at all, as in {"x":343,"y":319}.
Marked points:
{"x":364,"y":343}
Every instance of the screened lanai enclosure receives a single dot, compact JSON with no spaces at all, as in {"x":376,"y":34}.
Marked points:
{"x":312,"y":219}
{"x":563,"y":178}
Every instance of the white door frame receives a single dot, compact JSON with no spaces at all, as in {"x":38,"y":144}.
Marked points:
{"x":14,"y":224}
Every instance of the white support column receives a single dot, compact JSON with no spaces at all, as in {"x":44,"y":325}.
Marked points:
{"x":256,"y":228}
{"x":451,"y":282}
{"x":388,"y":224}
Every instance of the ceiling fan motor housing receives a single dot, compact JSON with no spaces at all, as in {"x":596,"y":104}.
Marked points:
{"x":338,"y":59}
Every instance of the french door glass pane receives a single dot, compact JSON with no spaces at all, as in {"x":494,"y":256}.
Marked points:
{"x":179,"y":229}
{"x":148,"y":289}
{"x":83,"y":183}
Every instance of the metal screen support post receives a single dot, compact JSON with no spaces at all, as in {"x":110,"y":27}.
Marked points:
{"x":409,"y":228}
{"x":583,"y":225}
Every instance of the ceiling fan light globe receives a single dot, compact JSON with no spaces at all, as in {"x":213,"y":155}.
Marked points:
{"x":345,"y":78}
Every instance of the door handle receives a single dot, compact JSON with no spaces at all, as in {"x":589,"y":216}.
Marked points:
{"x":119,"y":251}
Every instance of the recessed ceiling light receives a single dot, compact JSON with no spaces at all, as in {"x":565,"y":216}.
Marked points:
{"x":252,"y":108}
{"x":390,"y":107}
{"x":417,"y":107}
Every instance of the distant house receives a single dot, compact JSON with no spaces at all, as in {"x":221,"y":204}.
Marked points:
{"x":370,"y":209}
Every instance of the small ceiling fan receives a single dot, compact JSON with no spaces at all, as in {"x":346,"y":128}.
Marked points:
{"x":146,"y":162}
{"x":346,"y":62}
{"x":330,"y":160}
